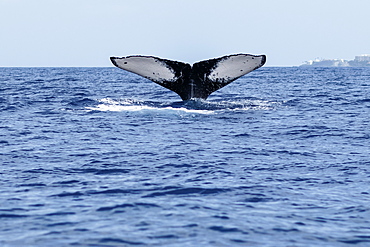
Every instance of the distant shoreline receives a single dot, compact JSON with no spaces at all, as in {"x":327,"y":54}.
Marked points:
{"x":359,"y":61}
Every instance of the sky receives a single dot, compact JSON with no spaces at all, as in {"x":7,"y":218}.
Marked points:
{"x":85,"y":33}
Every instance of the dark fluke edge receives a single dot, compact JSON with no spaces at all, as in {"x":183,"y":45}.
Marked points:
{"x":191,"y":81}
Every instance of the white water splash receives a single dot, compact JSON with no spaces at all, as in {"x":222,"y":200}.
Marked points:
{"x":196,"y":106}
{"x":135,"y":106}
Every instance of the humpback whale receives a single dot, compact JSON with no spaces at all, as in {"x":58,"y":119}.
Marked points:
{"x":191,"y":81}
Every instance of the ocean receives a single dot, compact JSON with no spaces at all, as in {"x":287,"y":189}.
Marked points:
{"x":102,"y":157}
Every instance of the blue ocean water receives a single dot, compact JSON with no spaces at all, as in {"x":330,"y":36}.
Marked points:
{"x":102,"y":157}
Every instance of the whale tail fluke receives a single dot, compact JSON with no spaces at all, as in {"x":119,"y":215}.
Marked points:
{"x":196,"y":81}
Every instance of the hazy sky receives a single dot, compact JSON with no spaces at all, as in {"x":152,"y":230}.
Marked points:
{"x":88,"y":32}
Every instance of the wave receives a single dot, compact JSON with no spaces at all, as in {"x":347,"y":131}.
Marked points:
{"x":198,"y":106}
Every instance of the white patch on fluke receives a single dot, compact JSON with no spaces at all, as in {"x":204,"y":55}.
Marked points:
{"x":148,"y":67}
{"x":235,"y":66}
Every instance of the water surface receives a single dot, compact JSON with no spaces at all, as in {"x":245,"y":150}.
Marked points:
{"x":102,"y":157}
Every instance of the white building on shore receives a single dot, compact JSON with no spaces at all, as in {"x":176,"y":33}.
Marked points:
{"x":362,"y":58}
